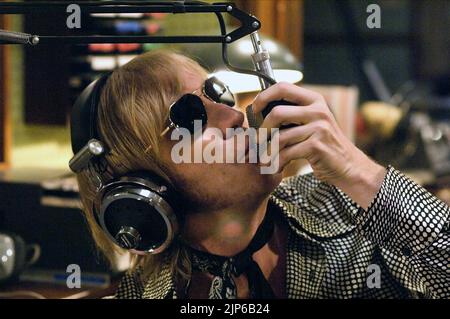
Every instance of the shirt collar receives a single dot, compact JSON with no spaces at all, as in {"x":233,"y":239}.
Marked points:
{"x":315,"y":223}
{"x":316,"y":219}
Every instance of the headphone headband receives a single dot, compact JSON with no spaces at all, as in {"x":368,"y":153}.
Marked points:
{"x":86,"y":143}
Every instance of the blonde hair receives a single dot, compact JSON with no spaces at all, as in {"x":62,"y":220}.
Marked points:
{"x":132,"y":112}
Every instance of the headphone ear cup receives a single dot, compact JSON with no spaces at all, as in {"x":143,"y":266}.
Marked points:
{"x":138,"y":213}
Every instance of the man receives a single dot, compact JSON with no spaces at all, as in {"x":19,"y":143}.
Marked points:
{"x":351,"y":229}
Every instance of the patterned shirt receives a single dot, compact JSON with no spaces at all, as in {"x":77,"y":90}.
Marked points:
{"x":398,"y":248}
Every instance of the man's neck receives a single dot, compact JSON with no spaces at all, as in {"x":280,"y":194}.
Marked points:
{"x":226,"y":232}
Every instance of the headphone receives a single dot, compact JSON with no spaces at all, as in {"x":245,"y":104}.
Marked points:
{"x":138,"y":211}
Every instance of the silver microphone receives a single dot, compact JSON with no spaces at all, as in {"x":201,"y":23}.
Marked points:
{"x":261,"y":61}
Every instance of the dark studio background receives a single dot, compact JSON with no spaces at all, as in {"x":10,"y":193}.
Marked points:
{"x":412,"y":44}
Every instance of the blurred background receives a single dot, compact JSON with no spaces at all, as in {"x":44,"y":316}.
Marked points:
{"x":388,"y":87}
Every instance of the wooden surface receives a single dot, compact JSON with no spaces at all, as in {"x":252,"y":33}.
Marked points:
{"x":280,"y":19}
{"x":5,"y":130}
{"x":31,"y":290}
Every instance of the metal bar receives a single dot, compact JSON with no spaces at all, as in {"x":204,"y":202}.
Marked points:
{"x":125,"y":39}
{"x":142,"y":9}
{"x":101,"y":3}
{"x":101,"y":7}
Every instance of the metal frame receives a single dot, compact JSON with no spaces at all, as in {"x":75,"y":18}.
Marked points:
{"x":249,"y":23}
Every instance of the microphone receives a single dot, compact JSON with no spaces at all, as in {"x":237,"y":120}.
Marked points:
{"x":261,"y":61}
{"x":13,"y":37}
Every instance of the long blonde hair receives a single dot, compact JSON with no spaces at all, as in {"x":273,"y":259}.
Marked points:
{"x":132,"y":112}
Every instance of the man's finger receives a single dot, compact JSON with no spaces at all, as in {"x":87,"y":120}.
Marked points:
{"x":293,"y":152}
{"x":284,"y":91}
{"x":295,"y":135}
{"x":288,"y":114}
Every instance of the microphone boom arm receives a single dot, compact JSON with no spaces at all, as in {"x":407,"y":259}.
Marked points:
{"x":249,"y":23}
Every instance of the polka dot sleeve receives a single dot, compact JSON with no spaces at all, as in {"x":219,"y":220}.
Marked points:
{"x":404,"y":217}
{"x":407,"y":221}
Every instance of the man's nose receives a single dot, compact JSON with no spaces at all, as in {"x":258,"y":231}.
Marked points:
{"x":222,"y":116}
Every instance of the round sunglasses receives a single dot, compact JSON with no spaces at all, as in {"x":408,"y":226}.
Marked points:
{"x":190,"y":108}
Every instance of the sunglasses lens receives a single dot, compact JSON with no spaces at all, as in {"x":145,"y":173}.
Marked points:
{"x":218,"y":91}
{"x":186,"y":110}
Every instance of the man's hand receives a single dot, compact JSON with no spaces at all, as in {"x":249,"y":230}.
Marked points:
{"x":318,"y":138}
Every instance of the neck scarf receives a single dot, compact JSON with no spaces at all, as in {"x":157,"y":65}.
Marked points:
{"x":223,"y":268}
